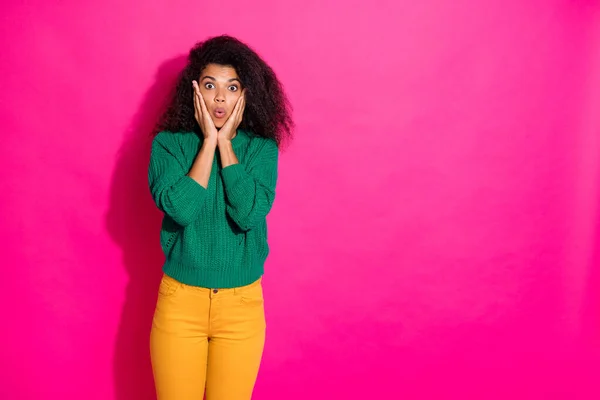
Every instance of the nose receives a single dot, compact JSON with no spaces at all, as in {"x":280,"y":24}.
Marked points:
{"x":219,"y":97}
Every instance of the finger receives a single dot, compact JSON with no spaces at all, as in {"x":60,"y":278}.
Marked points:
{"x":198,"y":95}
{"x":202,"y":103}
{"x":232,"y":120}
{"x":238,"y":105}
{"x":205,"y":112}
{"x":196,"y":87}
{"x":197,"y":107}
{"x":241,"y":105}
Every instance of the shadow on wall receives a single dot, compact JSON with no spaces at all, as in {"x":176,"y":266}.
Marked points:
{"x":133,"y":222}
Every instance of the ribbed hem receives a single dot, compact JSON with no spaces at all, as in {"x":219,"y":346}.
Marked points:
{"x":206,"y":278}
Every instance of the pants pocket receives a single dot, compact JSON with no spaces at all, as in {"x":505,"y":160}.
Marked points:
{"x":252,"y":295}
{"x":168,"y":286}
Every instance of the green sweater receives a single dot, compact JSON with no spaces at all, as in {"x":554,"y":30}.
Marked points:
{"x":214,"y":237}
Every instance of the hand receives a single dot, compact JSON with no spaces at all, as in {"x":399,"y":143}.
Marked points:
{"x":203,"y":116}
{"x":228,"y":130}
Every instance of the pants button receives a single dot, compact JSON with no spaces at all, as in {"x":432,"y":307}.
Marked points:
{"x":215,"y":290}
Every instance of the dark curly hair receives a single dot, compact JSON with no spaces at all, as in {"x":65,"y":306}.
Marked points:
{"x":267,"y":112}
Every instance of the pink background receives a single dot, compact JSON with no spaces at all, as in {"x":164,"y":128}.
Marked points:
{"x":436,"y":233}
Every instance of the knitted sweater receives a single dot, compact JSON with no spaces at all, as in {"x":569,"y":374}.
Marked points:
{"x":214,"y":237}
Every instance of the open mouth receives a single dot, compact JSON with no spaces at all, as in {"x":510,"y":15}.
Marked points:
{"x":219,"y":113}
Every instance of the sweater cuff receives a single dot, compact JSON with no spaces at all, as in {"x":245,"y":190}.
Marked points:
{"x":190,"y":190}
{"x":232,"y":174}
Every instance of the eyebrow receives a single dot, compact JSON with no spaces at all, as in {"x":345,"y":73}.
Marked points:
{"x":211,"y":78}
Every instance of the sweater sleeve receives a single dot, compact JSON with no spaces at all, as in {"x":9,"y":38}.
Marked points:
{"x":174,"y":193}
{"x":250,"y":189}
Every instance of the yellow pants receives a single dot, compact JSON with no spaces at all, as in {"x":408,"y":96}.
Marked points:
{"x":207,"y":341}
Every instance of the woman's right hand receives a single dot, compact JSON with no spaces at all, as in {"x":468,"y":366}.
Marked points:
{"x":203,"y":116}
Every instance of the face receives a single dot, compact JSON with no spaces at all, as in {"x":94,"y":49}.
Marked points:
{"x":221,"y":88}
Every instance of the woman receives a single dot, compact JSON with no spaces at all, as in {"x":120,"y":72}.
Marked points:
{"x":213,"y":171}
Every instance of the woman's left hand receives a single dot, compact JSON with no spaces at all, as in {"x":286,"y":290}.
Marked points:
{"x":227,"y":132}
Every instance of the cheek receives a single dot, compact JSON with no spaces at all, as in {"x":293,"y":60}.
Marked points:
{"x":232,"y":99}
{"x":205,"y":94}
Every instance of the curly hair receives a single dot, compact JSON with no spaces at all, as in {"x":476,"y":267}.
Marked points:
{"x":267,"y":112}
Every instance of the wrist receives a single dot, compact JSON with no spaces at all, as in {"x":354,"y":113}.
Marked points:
{"x":223,"y":142}
{"x":210,"y":142}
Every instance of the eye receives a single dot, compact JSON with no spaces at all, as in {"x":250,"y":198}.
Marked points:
{"x":209,"y":85}
{"x":233,"y":88}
